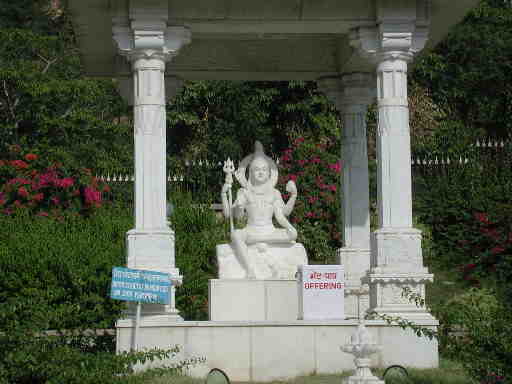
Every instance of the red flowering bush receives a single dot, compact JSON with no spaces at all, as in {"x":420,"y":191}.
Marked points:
{"x":26,"y":182}
{"x":316,"y":168}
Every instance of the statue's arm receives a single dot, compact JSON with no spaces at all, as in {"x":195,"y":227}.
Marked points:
{"x":281,"y":218}
{"x":292,"y":189}
{"x":239,"y":204}
{"x":238,"y":207}
{"x":224,"y":200}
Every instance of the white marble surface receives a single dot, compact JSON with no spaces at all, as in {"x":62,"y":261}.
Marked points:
{"x":259,"y":250}
{"x":321,"y":292}
{"x":266,"y":351}
{"x":277,"y":261}
{"x":252,"y":300}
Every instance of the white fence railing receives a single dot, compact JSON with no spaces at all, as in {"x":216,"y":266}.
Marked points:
{"x":416,"y":161}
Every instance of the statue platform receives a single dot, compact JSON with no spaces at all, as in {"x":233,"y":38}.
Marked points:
{"x":266,"y":351}
{"x":252,"y":300}
{"x":270,"y":261}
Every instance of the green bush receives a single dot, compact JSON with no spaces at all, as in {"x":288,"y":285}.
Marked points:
{"x":56,"y":276}
{"x":198,"y":231}
{"x":65,"y":264}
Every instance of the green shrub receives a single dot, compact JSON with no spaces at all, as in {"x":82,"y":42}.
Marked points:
{"x":64,"y":263}
{"x":56,"y":276}
{"x":198,"y":231}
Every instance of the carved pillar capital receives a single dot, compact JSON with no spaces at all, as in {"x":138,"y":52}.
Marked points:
{"x":389,"y":41}
{"x":156,"y":42}
{"x":349,"y":91}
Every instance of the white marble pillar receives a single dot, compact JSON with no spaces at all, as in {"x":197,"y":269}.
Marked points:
{"x":352,"y":93}
{"x":396,"y":260}
{"x":148,"y":44}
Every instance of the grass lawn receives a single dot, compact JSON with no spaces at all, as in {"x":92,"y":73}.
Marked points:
{"x":447,"y":373}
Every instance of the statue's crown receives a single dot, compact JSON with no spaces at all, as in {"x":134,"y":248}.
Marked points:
{"x":258,"y":150}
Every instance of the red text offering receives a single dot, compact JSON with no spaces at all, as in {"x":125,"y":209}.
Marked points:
{"x":321,"y":292}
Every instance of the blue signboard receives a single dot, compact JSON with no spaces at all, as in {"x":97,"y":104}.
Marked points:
{"x":139,"y":285}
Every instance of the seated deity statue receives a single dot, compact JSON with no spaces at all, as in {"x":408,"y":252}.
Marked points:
{"x":259,"y":250}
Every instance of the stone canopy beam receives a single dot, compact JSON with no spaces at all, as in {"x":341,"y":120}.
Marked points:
{"x":244,"y":40}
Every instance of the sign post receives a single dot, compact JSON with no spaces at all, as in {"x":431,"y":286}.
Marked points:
{"x":321,"y":292}
{"x":140,"y":286}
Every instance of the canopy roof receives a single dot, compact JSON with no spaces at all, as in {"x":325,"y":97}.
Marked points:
{"x":256,"y":40}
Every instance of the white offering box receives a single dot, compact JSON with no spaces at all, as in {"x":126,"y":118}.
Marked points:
{"x":321,"y":292}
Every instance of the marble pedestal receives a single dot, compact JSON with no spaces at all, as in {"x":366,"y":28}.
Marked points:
{"x":252,"y":300}
{"x":270,"y":261}
{"x":278,"y":350}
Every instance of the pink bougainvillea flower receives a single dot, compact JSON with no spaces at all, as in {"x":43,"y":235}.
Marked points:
{"x":20,"y":164}
{"x":492,"y":233}
{"x":292,"y":177}
{"x":91,"y":195}
{"x":310,"y":214}
{"x":30,"y":156}
{"x":64,"y":183}
{"x":312,"y":199}
{"x":497,"y":249}
{"x":301,"y":162}
{"x":482,"y":217}
{"x":47,"y":178}
{"x":19,"y":180}
{"x":469,"y":267}
{"x":336,"y":167}
{"x":298,"y":140}
{"x":18,"y":203}
{"x":38,"y":197}
{"x":22,"y":191}
{"x":285,"y":158}
{"x":315,"y":160}
{"x":55,"y":200}
{"x":43,"y":214}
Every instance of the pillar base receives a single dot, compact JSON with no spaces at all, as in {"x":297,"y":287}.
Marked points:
{"x":153,"y":250}
{"x":356,"y":263}
{"x":397,"y":263}
{"x":387,"y":295}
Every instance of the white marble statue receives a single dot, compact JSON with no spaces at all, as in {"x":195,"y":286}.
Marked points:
{"x":259,"y":250}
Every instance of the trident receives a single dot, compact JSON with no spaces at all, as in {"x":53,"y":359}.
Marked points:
{"x":228,"y":169}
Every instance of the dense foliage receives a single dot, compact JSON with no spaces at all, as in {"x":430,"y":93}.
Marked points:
{"x":46,"y":105}
{"x":58,"y":122}
{"x":28,"y":183}
{"x":470,"y":72}
{"x":56,"y":276}
{"x":214,"y":120}
{"x":315,"y":166}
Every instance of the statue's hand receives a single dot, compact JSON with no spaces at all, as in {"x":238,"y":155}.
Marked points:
{"x":291,"y":188}
{"x":292,"y":233}
{"x":225,"y":188}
